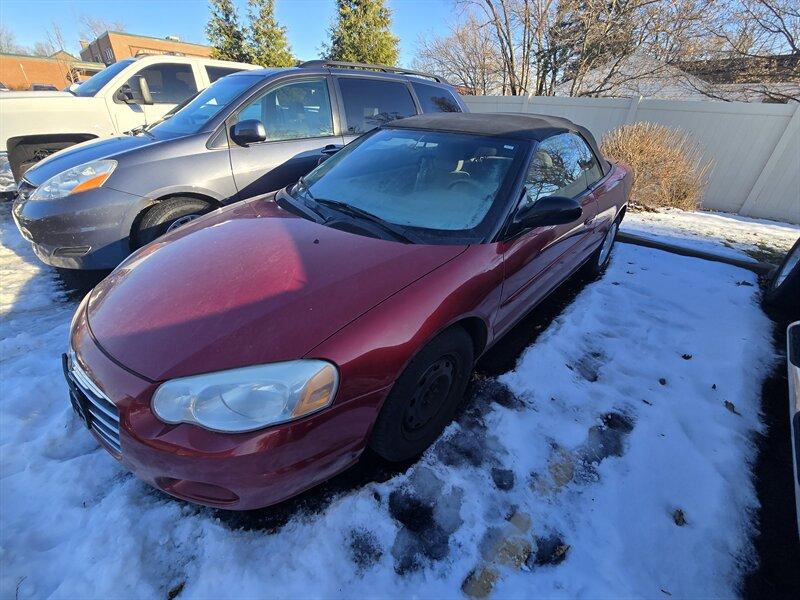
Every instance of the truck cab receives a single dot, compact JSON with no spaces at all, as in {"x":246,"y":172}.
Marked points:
{"x":128,"y":94}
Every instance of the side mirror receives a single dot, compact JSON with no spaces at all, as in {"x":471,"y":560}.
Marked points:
{"x":126,"y":94}
{"x":144,"y":90}
{"x":550,"y":210}
{"x":249,"y":131}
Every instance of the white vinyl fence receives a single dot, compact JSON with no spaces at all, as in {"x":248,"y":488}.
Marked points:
{"x":754,"y":148}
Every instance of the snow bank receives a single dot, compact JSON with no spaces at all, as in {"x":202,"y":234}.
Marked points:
{"x":724,"y":234}
{"x":561,"y":479}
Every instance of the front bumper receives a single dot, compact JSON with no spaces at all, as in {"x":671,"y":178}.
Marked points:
{"x":89,"y":230}
{"x":232,"y":471}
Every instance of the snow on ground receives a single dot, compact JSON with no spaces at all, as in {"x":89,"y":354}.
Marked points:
{"x":564,"y":477}
{"x":721,"y":233}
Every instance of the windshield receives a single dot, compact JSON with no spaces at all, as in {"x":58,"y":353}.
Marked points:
{"x":207,"y":105}
{"x":93,"y":85}
{"x":445,"y":186}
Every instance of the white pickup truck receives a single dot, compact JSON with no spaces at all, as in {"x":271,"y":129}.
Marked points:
{"x":126,"y":95}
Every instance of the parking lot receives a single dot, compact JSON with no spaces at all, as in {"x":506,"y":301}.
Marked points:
{"x":605,"y":449}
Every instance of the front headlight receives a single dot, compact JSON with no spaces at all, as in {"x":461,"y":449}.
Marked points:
{"x":250,"y":398}
{"x":77,"y":179}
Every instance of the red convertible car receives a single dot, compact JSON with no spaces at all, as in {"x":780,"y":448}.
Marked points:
{"x":257,"y":351}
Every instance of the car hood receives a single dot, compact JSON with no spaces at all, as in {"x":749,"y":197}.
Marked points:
{"x":85,"y":152}
{"x":249,"y":284}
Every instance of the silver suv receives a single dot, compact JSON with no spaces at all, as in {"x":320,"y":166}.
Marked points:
{"x":89,"y":206}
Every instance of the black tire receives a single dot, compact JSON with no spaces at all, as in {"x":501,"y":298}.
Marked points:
{"x":159,"y":218}
{"x":425,"y":397}
{"x":783,"y":289}
{"x":600,"y":258}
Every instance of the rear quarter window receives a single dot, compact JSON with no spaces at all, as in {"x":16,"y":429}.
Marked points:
{"x":435,"y":99}
{"x":369,"y":103}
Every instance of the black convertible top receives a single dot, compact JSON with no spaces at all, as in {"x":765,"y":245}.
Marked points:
{"x":520,"y":126}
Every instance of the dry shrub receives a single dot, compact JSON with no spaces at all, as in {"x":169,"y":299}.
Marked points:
{"x":668,"y":166}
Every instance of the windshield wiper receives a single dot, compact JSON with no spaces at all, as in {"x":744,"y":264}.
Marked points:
{"x":367,"y":216}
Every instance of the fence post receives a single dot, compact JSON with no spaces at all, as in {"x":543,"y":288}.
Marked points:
{"x":766,"y":173}
{"x":526,"y":103}
{"x":633,"y":106}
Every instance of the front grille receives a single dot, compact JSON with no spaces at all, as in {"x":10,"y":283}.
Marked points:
{"x":103,"y":416}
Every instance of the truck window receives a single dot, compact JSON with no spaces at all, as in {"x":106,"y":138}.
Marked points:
{"x":435,"y":99}
{"x":215,"y":73}
{"x":368,"y":103}
{"x":96,"y":82}
{"x":169,"y":83}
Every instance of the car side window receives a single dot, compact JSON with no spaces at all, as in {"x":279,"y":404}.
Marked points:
{"x":589,"y":164}
{"x":435,"y":99}
{"x":292,"y":111}
{"x":168,"y":83}
{"x":368,"y":103}
{"x":215,"y":73}
{"x":555,"y":169}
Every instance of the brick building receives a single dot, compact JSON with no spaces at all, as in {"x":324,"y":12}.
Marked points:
{"x":22,"y":71}
{"x":112,"y":46}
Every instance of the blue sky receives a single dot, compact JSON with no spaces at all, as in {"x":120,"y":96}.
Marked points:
{"x":307,"y":21}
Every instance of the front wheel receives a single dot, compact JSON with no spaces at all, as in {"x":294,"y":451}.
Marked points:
{"x":425,"y":397}
{"x":167,"y":216}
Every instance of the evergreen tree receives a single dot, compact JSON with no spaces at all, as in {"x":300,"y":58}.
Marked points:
{"x":268,"y":44}
{"x":225,"y":34}
{"x":362,"y":33}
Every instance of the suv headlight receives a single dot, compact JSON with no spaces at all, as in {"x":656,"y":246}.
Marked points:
{"x":250,"y":398}
{"x":77,"y":179}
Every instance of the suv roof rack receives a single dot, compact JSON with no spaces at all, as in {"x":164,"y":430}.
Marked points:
{"x":339,"y":64}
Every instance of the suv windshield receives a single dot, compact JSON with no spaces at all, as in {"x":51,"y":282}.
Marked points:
{"x":445,"y":187}
{"x":94,"y":84}
{"x":207,"y":105}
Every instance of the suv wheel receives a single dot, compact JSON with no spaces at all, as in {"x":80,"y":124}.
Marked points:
{"x":166,"y":216}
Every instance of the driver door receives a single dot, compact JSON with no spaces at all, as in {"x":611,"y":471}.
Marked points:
{"x":538,"y":260}
{"x":298,"y":119}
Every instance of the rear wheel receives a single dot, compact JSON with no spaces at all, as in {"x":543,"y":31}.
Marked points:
{"x":599,"y":260}
{"x":425,"y":397}
{"x":168,"y":215}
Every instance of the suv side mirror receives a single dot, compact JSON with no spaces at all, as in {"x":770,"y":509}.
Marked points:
{"x":550,"y":210}
{"x":249,"y":131}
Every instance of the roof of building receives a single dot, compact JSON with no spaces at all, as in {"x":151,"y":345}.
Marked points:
{"x":57,"y":57}
{"x":151,"y":37}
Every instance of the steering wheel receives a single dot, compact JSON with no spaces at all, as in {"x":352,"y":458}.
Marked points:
{"x":466,"y":183}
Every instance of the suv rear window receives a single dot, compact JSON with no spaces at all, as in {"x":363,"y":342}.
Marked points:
{"x":368,"y":103}
{"x":435,"y":99}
